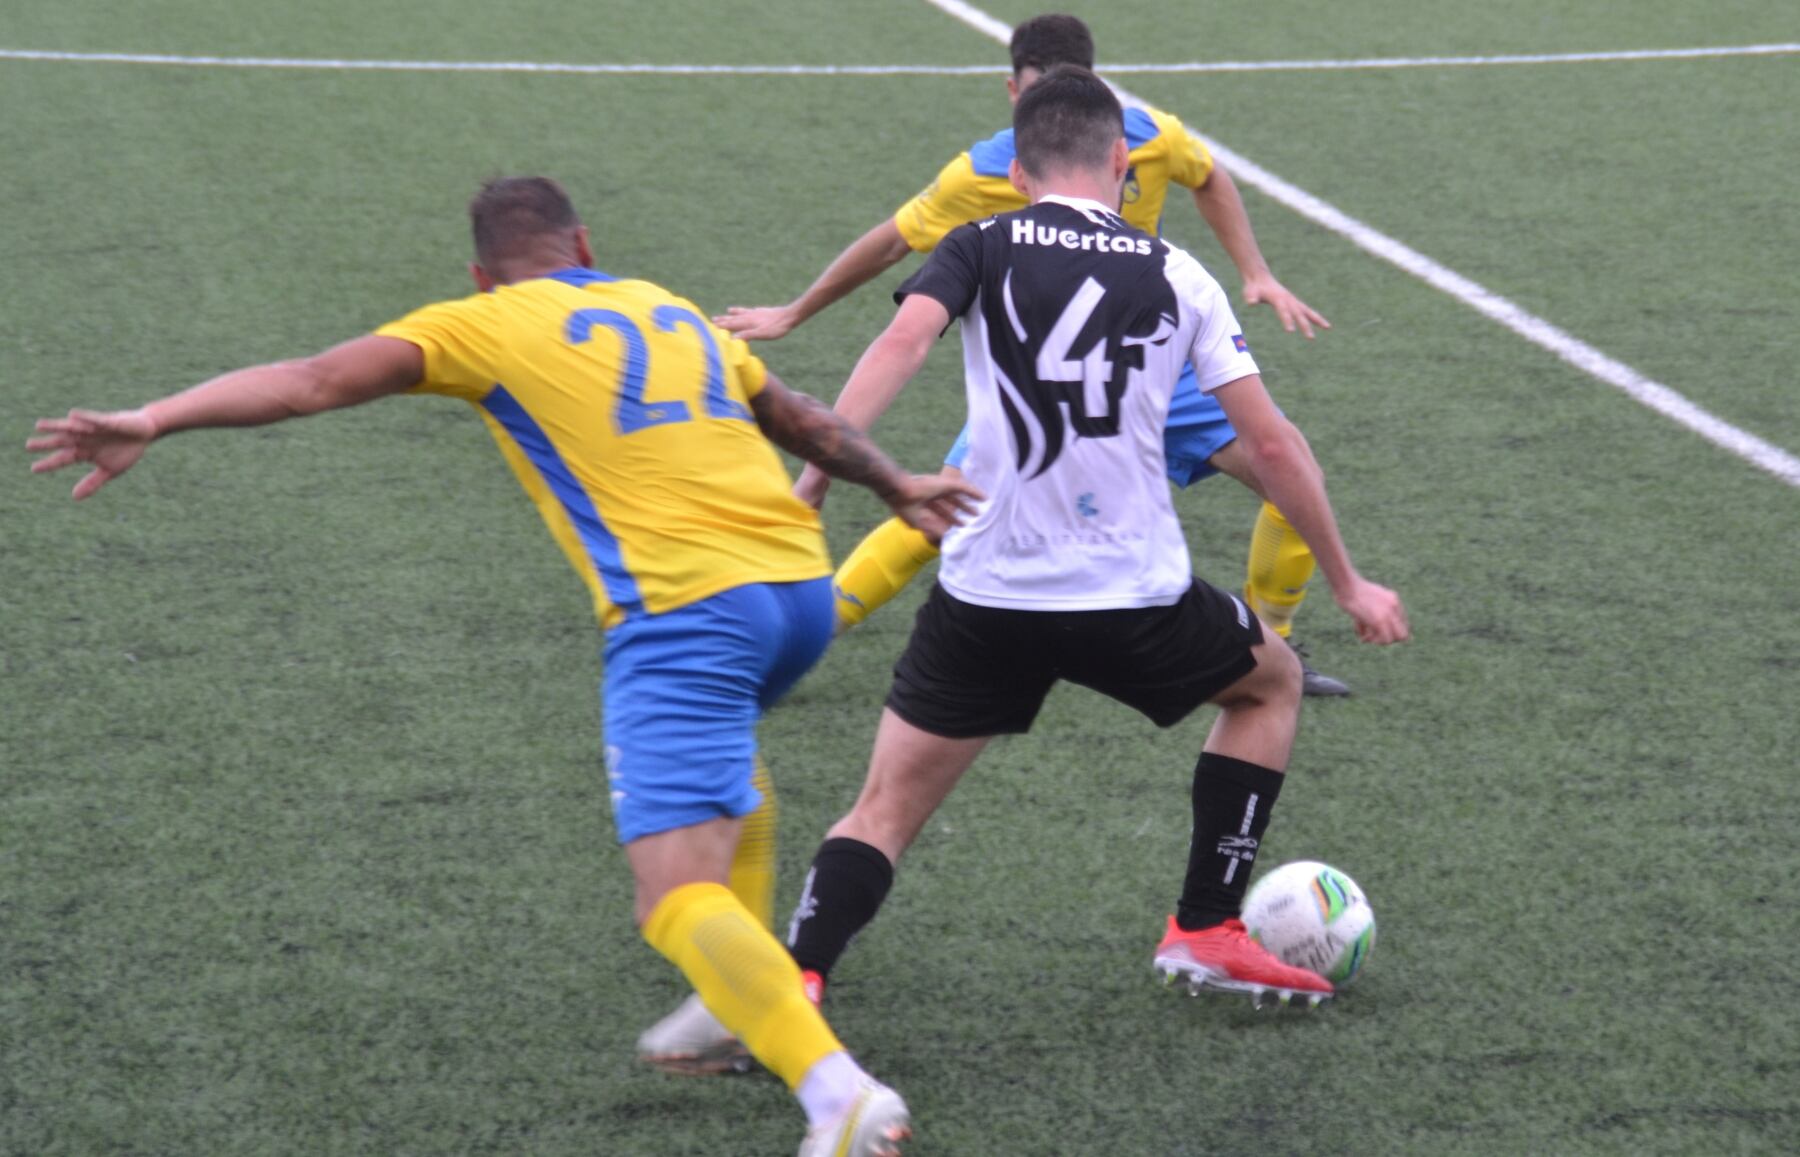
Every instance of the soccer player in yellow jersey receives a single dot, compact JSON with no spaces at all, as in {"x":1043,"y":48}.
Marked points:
{"x":643,"y":435}
{"x":1200,"y":440}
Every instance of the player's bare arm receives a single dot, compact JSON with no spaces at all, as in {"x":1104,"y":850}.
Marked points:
{"x":1223,"y":207}
{"x":880,"y":374}
{"x":804,"y":427}
{"x":1284,"y":464}
{"x":346,"y":375}
{"x":875,"y":252}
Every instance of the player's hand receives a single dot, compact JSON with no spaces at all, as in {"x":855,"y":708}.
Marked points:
{"x":111,"y":442}
{"x":812,"y":485}
{"x":1379,"y":615}
{"x":757,"y":323}
{"x":933,"y":503}
{"x":1294,"y":313}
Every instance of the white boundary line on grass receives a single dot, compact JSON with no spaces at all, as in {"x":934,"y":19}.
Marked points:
{"x":1656,"y":396}
{"x":1665,"y":401}
{"x":326,"y":64}
{"x":1385,"y":62}
{"x":1188,"y":67}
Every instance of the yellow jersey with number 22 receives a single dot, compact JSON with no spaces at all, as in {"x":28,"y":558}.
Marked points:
{"x":626,"y":416}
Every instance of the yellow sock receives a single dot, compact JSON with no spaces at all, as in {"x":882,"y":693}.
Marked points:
{"x":876,"y":570}
{"x":753,"y":866}
{"x":744,"y":976}
{"x":1281,"y":564}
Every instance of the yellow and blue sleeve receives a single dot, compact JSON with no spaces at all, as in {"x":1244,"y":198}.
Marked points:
{"x":456,"y":339}
{"x":959,"y":195}
{"x":1190,"y":162}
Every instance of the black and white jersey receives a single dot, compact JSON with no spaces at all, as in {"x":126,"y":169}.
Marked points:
{"x":1075,"y":328}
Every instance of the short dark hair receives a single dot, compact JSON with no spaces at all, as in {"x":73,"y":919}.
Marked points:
{"x":1069,"y":119}
{"x":509,"y":214}
{"x":1043,"y":42}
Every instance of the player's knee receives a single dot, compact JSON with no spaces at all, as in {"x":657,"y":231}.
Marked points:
{"x":1276,"y":681}
{"x":1282,"y":665}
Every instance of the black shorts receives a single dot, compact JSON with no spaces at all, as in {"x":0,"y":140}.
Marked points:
{"x":972,"y":671}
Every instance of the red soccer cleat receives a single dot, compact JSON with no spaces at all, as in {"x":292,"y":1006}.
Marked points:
{"x":814,"y":984}
{"x":1224,"y":958}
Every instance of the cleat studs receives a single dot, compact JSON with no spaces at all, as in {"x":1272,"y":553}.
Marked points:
{"x":1285,"y":997}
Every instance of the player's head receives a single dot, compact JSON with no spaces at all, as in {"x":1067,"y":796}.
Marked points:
{"x":1069,"y":125}
{"x":524,"y":227}
{"x":1042,"y":43}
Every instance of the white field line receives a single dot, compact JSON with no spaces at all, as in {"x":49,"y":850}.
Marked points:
{"x":1381,"y":62}
{"x":1658,"y":397}
{"x":529,"y":66}
{"x":1192,"y":66}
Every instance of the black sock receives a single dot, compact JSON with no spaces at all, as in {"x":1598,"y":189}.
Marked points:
{"x":1232,"y":800}
{"x":848,"y":881}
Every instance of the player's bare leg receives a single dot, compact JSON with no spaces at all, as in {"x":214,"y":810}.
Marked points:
{"x":1280,"y":567}
{"x":1260,"y":714}
{"x":1235,"y":785}
{"x":911,"y":771}
{"x":665,"y":861}
{"x":910,"y":774}
{"x":741,"y":971}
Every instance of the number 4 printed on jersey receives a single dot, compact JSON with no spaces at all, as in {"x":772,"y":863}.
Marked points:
{"x":1093,"y":371}
{"x":1094,"y":408}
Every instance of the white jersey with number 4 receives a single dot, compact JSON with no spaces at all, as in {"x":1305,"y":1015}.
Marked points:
{"x":1075,"y":328}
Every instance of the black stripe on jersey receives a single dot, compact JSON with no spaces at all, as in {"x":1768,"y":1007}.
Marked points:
{"x":1070,"y":297}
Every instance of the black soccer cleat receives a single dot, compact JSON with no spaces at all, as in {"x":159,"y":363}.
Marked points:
{"x":1314,"y":682}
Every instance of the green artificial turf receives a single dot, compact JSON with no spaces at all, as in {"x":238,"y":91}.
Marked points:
{"x":303,"y":834}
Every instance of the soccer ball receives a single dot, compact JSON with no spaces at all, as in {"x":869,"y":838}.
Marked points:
{"x":1312,"y":916}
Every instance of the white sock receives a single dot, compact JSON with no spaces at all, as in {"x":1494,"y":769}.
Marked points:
{"x":829,"y":1087}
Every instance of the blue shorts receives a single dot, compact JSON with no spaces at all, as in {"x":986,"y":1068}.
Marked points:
{"x":684,"y":691}
{"x":1197,"y":429}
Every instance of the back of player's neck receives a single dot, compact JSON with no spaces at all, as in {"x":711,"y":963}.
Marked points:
{"x":1079,"y":187}
{"x":538,"y":264}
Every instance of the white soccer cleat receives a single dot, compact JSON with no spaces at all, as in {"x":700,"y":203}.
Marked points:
{"x":873,"y":1126}
{"x":691,"y":1041}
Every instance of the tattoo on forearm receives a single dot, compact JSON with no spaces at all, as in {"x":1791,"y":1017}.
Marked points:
{"x":804,"y":427}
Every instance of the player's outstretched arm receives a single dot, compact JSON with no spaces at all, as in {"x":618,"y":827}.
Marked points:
{"x":345,"y":375}
{"x":802,"y":426}
{"x":1220,"y":203}
{"x":876,"y":251}
{"x":1290,"y":476}
{"x":880,"y":374}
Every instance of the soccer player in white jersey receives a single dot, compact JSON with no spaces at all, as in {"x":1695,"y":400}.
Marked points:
{"x":1075,"y":329}
{"x":1167,"y":162}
